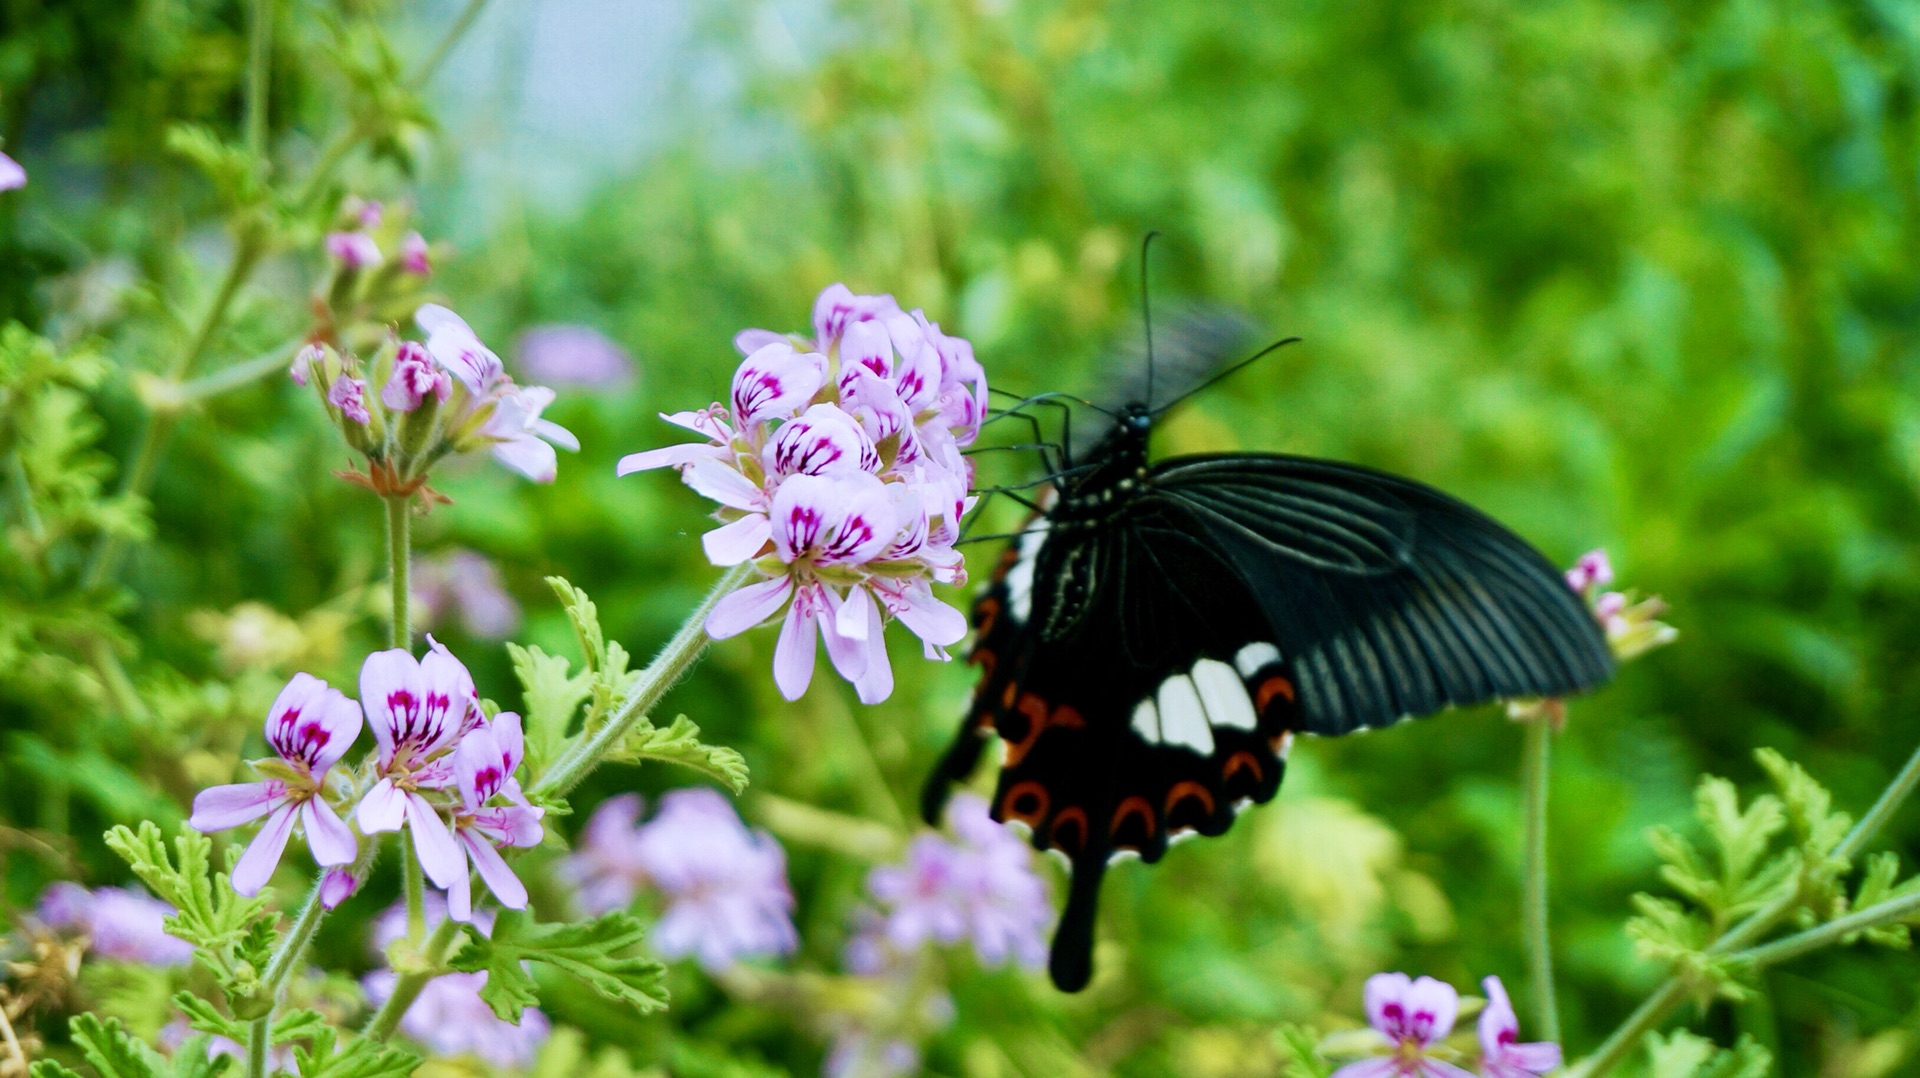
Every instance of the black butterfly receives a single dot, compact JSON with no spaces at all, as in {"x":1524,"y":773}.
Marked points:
{"x":1152,"y":643}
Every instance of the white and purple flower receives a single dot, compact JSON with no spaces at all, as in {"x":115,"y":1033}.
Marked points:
{"x":483,"y":767}
{"x":1501,"y":1054}
{"x":492,"y":412}
{"x":119,"y":924}
{"x":419,"y":710}
{"x":353,"y":250}
{"x":310,"y":727}
{"x":1632,"y":624}
{"x":725,"y":886}
{"x":1409,"y":1019}
{"x":839,"y":476}
{"x":467,"y":585}
{"x":415,"y":377}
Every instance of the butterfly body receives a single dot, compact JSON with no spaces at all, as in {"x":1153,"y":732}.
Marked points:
{"x":1154,"y":640}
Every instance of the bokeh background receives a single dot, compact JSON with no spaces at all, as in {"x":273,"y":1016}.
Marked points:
{"x":1632,"y":275}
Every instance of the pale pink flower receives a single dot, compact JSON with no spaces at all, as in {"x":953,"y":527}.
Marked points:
{"x":11,"y":174}
{"x":353,"y":250}
{"x":415,"y":256}
{"x":1410,"y":1018}
{"x":453,"y":345}
{"x":1501,"y":1054}
{"x":466,"y":584}
{"x":1632,"y":624}
{"x":570,"y":355}
{"x":604,"y":869}
{"x":310,"y":727}
{"x":1592,"y":570}
{"x":415,"y":378}
{"x":371,"y":214}
{"x":495,"y":413}
{"x":419,"y":710}
{"x":350,"y":396}
{"x":119,"y":924}
{"x":483,"y":767}
{"x":725,"y":886}
{"x":981,"y":889}
{"x":303,"y":363}
{"x":521,"y":439}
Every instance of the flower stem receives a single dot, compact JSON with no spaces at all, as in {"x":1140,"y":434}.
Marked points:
{"x":406,"y":988}
{"x":294,"y":943}
{"x":1832,"y":932}
{"x":259,"y":1033}
{"x":416,"y":893}
{"x":259,"y":76}
{"x":1535,"y":773}
{"x":399,"y":550}
{"x":1670,"y":994}
{"x":660,"y":675}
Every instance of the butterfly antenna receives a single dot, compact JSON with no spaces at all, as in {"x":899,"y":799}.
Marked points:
{"x":1146,"y":307}
{"x":1261,"y":354}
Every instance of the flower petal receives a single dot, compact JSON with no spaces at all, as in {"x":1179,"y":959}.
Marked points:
{"x":555,"y":433}
{"x":460,"y":898}
{"x":1384,"y":1067}
{"x":263,"y":853}
{"x":440,"y":855}
{"x":720,"y":480}
{"x":1431,"y":1008}
{"x":217,"y":808}
{"x":382,"y":808}
{"x":793,"y":655}
{"x":330,"y":839}
{"x":493,"y":869}
{"x":673,"y":456}
{"x":748,"y":606}
{"x":390,"y":696}
{"x":530,"y":457}
{"x":731,"y":544}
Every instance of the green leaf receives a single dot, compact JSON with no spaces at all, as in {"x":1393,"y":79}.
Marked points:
{"x":211,"y":913}
{"x":1879,"y":884}
{"x":680,"y":744}
{"x":593,"y":952}
{"x":1667,"y":931}
{"x":113,"y":1052}
{"x":1817,"y":828}
{"x":204,"y":1017}
{"x":1300,"y":1048}
{"x":47,"y":1068}
{"x":361,"y":1058}
{"x":1688,"y":1055}
{"x":586,"y":622}
{"x":552,"y":699}
{"x":300,"y":1025}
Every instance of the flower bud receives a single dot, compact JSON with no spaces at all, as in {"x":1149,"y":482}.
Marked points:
{"x":353,"y":250}
{"x":415,"y":377}
{"x":304,"y":362}
{"x":349,"y":395}
{"x":414,"y":255}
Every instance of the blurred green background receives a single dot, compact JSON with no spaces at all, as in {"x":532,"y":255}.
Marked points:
{"x":1625,"y":274}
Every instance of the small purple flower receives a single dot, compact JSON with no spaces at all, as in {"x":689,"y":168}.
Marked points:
{"x":304,"y":361}
{"x":856,"y":1053}
{"x":1633,"y":626}
{"x":496,"y":413}
{"x":415,"y":256}
{"x":982,"y":889}
{"x":1501,"y":1055}
{"x":11,"y":174}
{"x":419,"y":709}
{"x":415,"y":378}
{"x":453,"y":344}
{"x":605,"y":869}
{"x":353,"y":250}
{"x":350,"y":396}
{"x":310,"y":727}
{"x":336,"y":886}
{"x":1592,"y":570}
{"x":450,"y":1019}
{"x":1410,"y":1018}
{"x":568,"y":355}
{"x":121,"y":924}
{"x":521,"y":439}
{"x":483,"y":767}
{"x":370,"y":214}
{"x":466,"y":584}
{"x":725,"y":886}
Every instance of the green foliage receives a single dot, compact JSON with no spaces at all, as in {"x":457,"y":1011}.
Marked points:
{"x":231,"y":933}
{"x":1880,"y":882}
{"x":680,"y":744}
{"x":360,"y":1057}
{"x":114,"y":1054}
{"x":1817,"y":831}
{"x":598,"y":953}
{"x":1686,"y":1055}
{"x":553,"y":699}
{"x":1300,"y":1048}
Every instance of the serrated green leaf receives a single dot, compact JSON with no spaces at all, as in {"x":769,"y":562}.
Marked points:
{"x":212,"y":914}
{"x":301,"y":1025}
{"x":1687,"y":1055}
{"x":112,"y":1052}
{"x":192,"y":1059}
{"x":595,"y":952}
{"x":1300,"y":1048}
{"x":553,"y":698}
{"x":586,"y":622}
{"x":1879,"y":883}
{"x":680,"y":744}
{"x":361,"y":1058}
{"x":47,"y":1068}
{"x":1817,"y":829}
{"x":204,"y":1017}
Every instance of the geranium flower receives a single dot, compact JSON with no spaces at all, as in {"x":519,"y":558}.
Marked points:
{"x":483,"y":768}
{"x":493,"y":412}
{"x":119,"y":924}
{"x":350,"y":396}
{"x":572,"y":355}
{"x":981,"y":889}
{"x":415,"y":377}
{"x":605,"y":868}
{"x":725,"y":886}
{"x":415,"y":256}
{"x":1501,"y":1056}
{"x":353,"y":250}
{"x":310,"y":726}
{"x":11,"y":174}
{"x":1632,"y":624}
{"x":419,"y":710}
{"x":1410,"y":1018}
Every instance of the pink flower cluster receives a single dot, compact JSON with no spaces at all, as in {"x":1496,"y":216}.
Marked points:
{"x":840,"y":477}
{"x":442,"y":771}
{"x":981,"y":889}
{"x":1411,"y":1018}
{"x":355,"y":247}
{"x":725,"y":887}
{"x":119,"y":924}
{"x":1633,"y":626}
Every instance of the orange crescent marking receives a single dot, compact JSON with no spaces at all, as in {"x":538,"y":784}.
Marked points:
{"x":987,"y":611}
{"x":1129,"y":807}
{"x":1039,"y":793}
{"x":1065,"y":715}
{"x":1006,"y":698}
{"x":1239,"y":760}
{"x":1183,"y":790}
{"x":1270,"y":688}
{"x":1035,"y":709}
{"x":1076,"y":817}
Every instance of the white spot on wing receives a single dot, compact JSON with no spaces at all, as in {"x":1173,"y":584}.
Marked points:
{"x":1020,"y":576}
{"x":1123,"y":855}
{"x":1254,"y":656}
{"x":1224,"y":694}
{"x":1146,"y":721}
{"x":1183,"y":721}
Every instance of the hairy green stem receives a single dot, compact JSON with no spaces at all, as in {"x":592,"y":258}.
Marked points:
{"x":1535,"y":774}
{"x":1832,"y":932}
{"x":259,"y":76}
{"x":399,"y":554}
{"x":660,"y":675}
{"x":406,"y":987}
{"x":239,"y":375}
{"x":416,"y":891}
{"x":1673,"y":992}
{"x":259,"y":1034}
{"x":294,"y":944}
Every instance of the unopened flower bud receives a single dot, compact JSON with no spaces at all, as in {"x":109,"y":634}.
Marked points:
{"x":414,"y":256}
{"x":349,"y":395}
{"x":353,"y":250}
{"x":371,"y":214}
{"x":304,"y":362}
{"x":337,"y":886}
{"x":415,"y":377}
